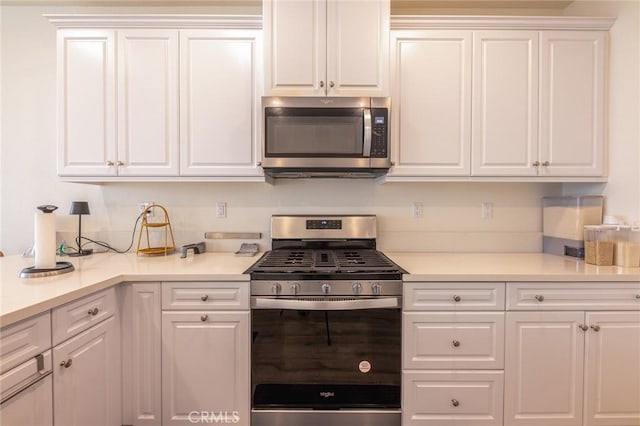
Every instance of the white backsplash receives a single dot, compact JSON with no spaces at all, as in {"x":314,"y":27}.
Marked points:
{"x":451,"y":219}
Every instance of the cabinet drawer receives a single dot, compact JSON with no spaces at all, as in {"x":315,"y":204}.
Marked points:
{"x":453,"y":296}
{"x":573,"y":296}
{"x":457,"y":398}
{"x":450,"y":340}
{"x":24,"y":340}
{"x":72,"y":318}
{"x":205,"y":295}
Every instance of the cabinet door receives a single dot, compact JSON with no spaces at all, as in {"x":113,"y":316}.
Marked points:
{"x":431,"y":74}
{"x":147,"y":102}
{"x":205,"y":366}
{"x":357,"y":47}
{"x":505,"y":103}
{"x":543,"y":368}
{"x":141,"y":355}
{"x":87,"y":386}
{"x":86,"y":103}
{"x":571,"y":103}
{"x":219,"y":98}
{"x":612,"y":369}
{"x":31,"y":407}
{"x":295,"y":47}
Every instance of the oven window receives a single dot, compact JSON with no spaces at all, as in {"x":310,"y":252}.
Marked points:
{"x":326,"y":359}
{"x":314,"y":132}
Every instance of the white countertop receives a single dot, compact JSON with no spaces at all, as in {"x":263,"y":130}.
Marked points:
{"x":21,"y":298}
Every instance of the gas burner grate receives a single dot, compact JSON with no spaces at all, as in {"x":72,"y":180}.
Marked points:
{"x":363,"y":260}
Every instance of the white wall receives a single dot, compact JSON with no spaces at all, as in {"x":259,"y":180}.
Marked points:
{"x":623,"y":188}
{"x":451,"y":210}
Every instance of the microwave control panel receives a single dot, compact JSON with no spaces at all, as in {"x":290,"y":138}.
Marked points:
{"x":379,"y":118}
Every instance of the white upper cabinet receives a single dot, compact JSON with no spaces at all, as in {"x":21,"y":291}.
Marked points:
{"x":219,"y":103}
{"x":147,"y":102}
{"x":572,"y":133}
{"x":86,"y":103}
{"x":505,"y":103}
{"x":326,"y":47}
{"x":431,"y":102}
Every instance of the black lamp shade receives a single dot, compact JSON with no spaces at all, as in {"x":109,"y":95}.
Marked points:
{"x":79,"y":207}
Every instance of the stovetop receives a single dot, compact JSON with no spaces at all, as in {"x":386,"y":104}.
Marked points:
{"x":328,"y":261}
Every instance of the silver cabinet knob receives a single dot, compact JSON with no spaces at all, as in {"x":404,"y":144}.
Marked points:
{"x":546,"y":164}
{"x":295,"y":288}
{"x":326,"y":288}
{"x":276,"y":289}
{"x":638,"y":296}
{"x":204,"y":318}
{"x":357,"y":288}
{"x":457,"y":298}
{"x":539,"y":297}
{"x":536,"y":164}
{"x":583,"y":327}
{"x":205,"y":298}
{"x":331,"y":84}
{"x":455,"y":402}
{"x":595,"y":327}
{"x":456,"y":343}
{"x":259,"y":163}
{"x":109,"y":163}
{"x":67,"y":363}
{"x":93,"y":312}
{"x":392,"y":163}
{"x":321,"y":83}
{"x":120,"y":163}
{"x":376,"y":288}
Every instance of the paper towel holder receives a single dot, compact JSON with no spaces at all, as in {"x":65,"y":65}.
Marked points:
{"x":80,"y":208}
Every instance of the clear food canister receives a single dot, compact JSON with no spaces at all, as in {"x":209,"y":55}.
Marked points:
{"x":626,"y":251}
{"x":599,"y":243}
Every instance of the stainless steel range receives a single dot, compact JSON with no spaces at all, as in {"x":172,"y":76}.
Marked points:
{"x":326,"y":325}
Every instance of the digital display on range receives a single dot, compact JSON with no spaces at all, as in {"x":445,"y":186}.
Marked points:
{"x":324,"y":224}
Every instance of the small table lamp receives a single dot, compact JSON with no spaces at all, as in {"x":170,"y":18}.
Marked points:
{"x":80,"y":208}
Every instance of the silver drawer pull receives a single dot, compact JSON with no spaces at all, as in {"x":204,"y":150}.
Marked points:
{"x":67,"y":363}
{"x":205,"y":298}
{"x":539,"y":297}
{"x":93,"y":312}
{"x":456,"y":343}
{"x":457,"y":298}
{"x":595,"y":327}
{"x":204,"y":318}
{"x":583,"y":327}
{"x":455,"y":402}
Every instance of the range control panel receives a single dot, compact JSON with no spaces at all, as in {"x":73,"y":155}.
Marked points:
{"x":324,"y":224}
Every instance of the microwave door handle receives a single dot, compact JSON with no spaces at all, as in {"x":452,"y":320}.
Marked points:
{"x":366,"y":148}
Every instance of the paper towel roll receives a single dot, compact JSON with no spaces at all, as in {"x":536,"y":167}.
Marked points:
{"x":45,"y":240}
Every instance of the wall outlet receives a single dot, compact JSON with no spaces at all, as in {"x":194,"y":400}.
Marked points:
{"x":417,"y":209}
{"x":221,"y":209}
{"x":487,"y":210}
{"x":144,"y":205}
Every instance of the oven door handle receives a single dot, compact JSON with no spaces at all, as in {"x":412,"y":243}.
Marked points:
{"x":325,"y":305}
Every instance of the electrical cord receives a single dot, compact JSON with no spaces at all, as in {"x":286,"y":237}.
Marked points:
{"x":107,"y":245}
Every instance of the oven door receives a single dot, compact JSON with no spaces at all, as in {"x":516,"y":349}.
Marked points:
{"x":321,"y":361}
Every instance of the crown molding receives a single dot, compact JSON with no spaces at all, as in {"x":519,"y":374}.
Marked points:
{"x":415,"y":22}
{"x":155,"y":21}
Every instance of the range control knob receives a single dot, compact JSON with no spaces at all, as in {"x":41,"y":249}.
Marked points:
{"x":276,"y":288}
{"x":326,"y":288}
{"x":357,"y":288}
{"x":295,"y":288}
{"x":375,"y":288}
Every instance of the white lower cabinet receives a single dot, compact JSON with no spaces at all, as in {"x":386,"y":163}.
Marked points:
{"x":450,"y":397}
{"x":32,"y":407}
{"x":453,"y":354}
{"x":86,"y":377}
{"x":205,"y":367}
{"x":566,"y":366}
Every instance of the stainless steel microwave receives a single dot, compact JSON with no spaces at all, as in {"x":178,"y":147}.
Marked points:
{"x":325,"y":137}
